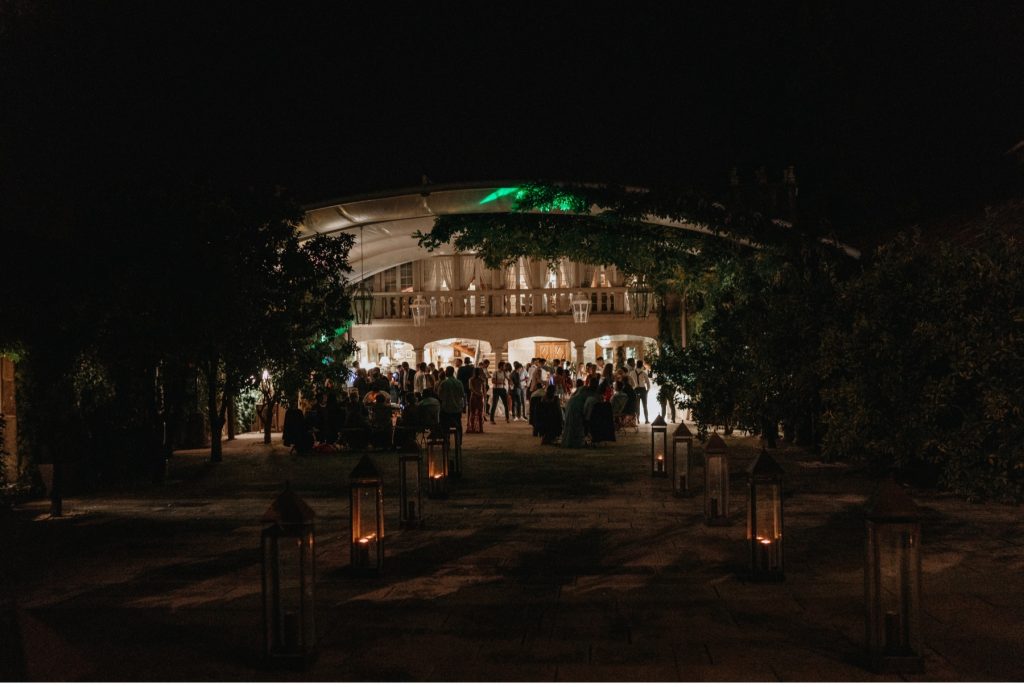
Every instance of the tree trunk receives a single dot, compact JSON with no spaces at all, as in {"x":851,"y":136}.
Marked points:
{"x":268,"y":413}
{"x":230,"y":400}
{"x":215,"y":418}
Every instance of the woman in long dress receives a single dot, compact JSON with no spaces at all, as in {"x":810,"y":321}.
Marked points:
{"x":574,"y":432}
{"x":477,"y":391}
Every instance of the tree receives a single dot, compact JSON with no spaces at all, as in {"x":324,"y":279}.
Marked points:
{"x":924,"y":365}
{"x":255,"y":294}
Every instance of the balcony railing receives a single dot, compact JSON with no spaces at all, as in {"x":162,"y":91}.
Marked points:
{"x":499,"y":303}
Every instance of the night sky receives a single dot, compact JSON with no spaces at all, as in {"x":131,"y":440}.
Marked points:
{"x":887,"y":112}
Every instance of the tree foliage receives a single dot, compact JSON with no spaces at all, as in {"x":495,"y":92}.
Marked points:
{"x":925,"y":364}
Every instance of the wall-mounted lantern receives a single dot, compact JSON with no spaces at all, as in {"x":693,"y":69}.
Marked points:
{"x":419,"y":310}
{"x":580,"y":303}
{"x":640,"y":297}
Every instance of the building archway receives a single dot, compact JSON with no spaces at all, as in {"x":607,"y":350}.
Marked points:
{"x":442,"y":352}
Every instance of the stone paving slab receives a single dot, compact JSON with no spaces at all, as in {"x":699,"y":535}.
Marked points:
{"x":543,"y":565}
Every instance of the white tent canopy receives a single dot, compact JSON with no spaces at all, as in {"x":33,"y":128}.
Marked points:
{"x":389,"y":220}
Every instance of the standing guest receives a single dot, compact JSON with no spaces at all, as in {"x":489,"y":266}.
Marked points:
{"x":477,"y":394}
{"x":362,"y":383}
{"x":518,"y":398}
{"x":607,"y":385}
{"x":640,"y":388}
{"x":535,"y":398}
{"x":466,"y":372}
{"x":537,"y":376}
{"x":452,"y":398}
{"x":499,"y":385}
{"x":419,"y":384}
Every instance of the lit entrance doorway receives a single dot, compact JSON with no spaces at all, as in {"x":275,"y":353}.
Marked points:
{"x":443,"y":352}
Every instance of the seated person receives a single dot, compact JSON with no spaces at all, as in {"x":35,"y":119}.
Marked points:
{"x":428,"y":411}
{"x":405,"y":426}
{"x":380,"y":422}
{"x":297,"y":433}
{"x":356,"y":430}
{"x":549,"y":416}
{"x":620,"y":399}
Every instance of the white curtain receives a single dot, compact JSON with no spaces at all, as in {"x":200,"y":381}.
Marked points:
{"x":511,"y":277}
{"x":468,"y":270}
{"x":566,"y":274}
{"x":615,"y":276}
{"x":430,"y":279}
{"x":447,"y":268}
{"x":527,"y":272}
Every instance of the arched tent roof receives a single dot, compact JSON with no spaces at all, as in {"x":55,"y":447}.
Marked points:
{"x":390,"y":219}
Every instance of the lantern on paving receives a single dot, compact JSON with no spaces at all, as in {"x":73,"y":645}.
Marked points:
{"x":366,"y":518}
{"x":682,"y":445}
{"x":419,"y":310}
{"x":288,"y":542}
{"x":640,"y":297}
{"x":892,"y":582}
{"x":659,"y":447}
{"x":437,"y":467}
{"x":716,"y":481}
{"x":454,"y":453}
{"x":580,"y":303}
{"x":410,"y":490}
{"x":764,"y":518}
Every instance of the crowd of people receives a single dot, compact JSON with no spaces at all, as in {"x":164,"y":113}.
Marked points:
{"x":565,"y":404}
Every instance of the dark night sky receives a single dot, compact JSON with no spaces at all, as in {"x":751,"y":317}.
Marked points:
{"x":870,"y":102}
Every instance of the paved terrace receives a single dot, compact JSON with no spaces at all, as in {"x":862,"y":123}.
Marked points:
{"x":544,"y":564}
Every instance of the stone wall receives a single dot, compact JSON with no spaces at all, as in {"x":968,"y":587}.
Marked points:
{"x":7,"y":409}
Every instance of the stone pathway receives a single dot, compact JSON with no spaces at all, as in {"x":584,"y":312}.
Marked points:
{"x":543,"y":565}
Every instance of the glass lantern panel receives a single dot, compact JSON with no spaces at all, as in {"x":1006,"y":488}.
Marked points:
{"x":287,"y":562}
{"x":769,"y":512}
{"x":897,"y":560}
{"x":717,"y":492}
{"x":681,"y":465}
{"x":365,"y":541}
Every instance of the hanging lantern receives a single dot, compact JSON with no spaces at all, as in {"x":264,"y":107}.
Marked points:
{"x":892,"y":582}
{"x":419,"y":310}
{"x":640,"y":297}
{"x":659,"y":447}
{"x":716,"y":481}
{"x":362,"y":305}
{"x":289,"y":579}
{"x":580,"y":303}
{"x":410,"y":492}
{"x":682,"y":445}
{"x":437,"y":467}
{"x":454,"y":453}
{"x":362,"y":299}
{"x":366,"y":518}
{"x":764,"y":518}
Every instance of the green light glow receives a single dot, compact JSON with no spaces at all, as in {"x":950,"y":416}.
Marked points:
{"x":499,"y":193}
{"x":564,"y":202}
